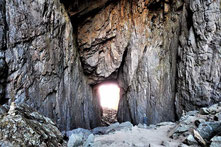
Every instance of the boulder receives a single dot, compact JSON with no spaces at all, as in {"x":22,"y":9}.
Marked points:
{"x":89,"y":142}
{"x":126,"y":125}
{"x":79,"y":131}
{"x":190,"y":140}
{"x":24,"y":126}
{"x":216,"y":141}
{"x":209,"y":129}
{"x":99,"y":130}
{"x":75,"y":140}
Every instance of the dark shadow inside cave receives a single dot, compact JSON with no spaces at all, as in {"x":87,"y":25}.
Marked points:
{"x":108,"y":93}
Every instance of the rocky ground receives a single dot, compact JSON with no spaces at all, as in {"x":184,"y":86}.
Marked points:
{"x":195,"y":128}
{"x":23,"y":126}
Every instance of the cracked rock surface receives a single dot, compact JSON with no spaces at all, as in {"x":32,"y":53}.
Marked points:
{"x":135,"y":44}
{"x":165,"y":55}
{"x":199,"y":66}
{"x":44,"y":70}
{"x":26,"y":127}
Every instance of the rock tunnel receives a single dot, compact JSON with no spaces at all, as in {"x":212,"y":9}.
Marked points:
{"x":55,"y":56}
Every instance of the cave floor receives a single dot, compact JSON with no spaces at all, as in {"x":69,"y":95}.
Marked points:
{"x":138,"y":137}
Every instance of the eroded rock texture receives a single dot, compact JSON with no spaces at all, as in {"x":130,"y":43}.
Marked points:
{"x":44,"y":67}
{"x":22,"y":126}
{"x":199,"y":66}
{"x":135,"y":43}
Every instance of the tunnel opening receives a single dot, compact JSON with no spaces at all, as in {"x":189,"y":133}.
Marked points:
{"x":109,"y":95}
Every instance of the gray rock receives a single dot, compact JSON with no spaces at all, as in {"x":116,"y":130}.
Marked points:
{"x":140,"y":126}
{"x":159,"y":58}
{"x":214,"y":109}
{"x":44,"y":69}
{"x":99,"y":130}
{"x":199,"y":56}
{"x":152,"y":126}
{"x":192,"y":113}
{"x":165,"y":124}
{"x":210,"y":110}
{"x":26,"y":127}
{"x":112,"y":128}
{"x":75,"y":140}
{"x":2,"y":54}
{"x":3,"y":110}
{"x":89,"y":142}
{"x":204,"y":111}
{"x":143,"y":63}
{"x":127,"y":125}
{"x":209,"y":129}
{"x":217,"y":117}
{"x":6,"y":144}
{"x":182,"y":128}
{"x":79,"y":131}
{"x":190,"y":140}
{"x":216,"y":141}
{"x":183,"y":145}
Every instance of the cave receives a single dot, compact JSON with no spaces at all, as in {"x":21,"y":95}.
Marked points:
{"x":56,"y":58}
{"x":158,"y":59}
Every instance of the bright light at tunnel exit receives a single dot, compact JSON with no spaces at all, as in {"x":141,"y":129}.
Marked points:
{"x":109,"y":95}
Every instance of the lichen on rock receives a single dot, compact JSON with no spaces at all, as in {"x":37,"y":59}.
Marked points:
{"x":26,"y":127}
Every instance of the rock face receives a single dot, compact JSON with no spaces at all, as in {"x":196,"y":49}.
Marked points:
{"x":135,"y":44}
{"x":165,"y":55}
{"x":44,"y":67}
{"x":25,"y":127}
{"x":199,"y":66}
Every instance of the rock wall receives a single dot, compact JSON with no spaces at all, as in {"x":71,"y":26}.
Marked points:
{"x":165,"y":56}
{"x":199,"y":64}
{"x":134,"y":43}
{"x":151,"y":63}
{"x":23,"y":126}
{"x":43,"y":65}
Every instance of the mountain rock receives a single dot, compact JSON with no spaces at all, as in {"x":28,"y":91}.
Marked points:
{"x":165,"y":56}
{"x":26,"y":127}
{"x":198,"y":81}
{"x":44,"y":69}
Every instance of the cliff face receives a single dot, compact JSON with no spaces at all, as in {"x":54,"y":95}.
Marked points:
{"x":134,"y":43}
{"x":165,"y":56}
{"x":199,"y":66}
{"x":43,"y":65}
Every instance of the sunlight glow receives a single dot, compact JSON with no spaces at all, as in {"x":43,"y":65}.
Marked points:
{"x":109,"y":95}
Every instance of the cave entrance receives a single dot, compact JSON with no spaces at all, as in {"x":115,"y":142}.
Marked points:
{"x":109,"y":96}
